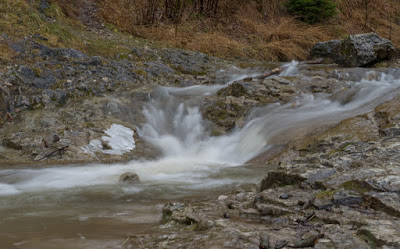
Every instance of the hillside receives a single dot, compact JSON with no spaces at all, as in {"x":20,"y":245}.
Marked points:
{"x":258,"y":29}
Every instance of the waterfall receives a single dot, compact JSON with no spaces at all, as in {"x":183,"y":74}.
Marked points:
{"x":190,"y":155}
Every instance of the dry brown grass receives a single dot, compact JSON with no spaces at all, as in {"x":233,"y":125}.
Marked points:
{"x":6,"y":54}
{"x":260,"y":29}
{"x":382,"y":14}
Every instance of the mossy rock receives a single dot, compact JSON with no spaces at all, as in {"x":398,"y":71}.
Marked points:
{"x":360,"y":187}
{"x":368,"y":237}
{"x":11,"y":145}
{"x":234,"y":89}
{"x":280,"y":179}
{"x":224,"y":115}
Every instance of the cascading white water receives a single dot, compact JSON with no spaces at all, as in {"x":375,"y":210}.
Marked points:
{"x":191,"y":161}
{"x":175,"y":126}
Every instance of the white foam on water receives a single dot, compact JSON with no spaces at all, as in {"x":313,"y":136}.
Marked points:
{"x":189,"y":154}
{"x":8,"y":189}
{"x":290,"y":69}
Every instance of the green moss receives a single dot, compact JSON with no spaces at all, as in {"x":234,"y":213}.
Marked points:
{"x":382,"y":64}
{"x":343,"y":147}
{"x":356,"y":186}
{"x":89,"y":125}
{"x":235,"y":90}
{"x":369,"y":238}
{"x":327,"y":194}
{"x":37,"y":71}
{"x":216,"y":132}
{"x":37,"y":106}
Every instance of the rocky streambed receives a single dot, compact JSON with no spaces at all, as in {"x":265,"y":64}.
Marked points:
{"x":305,"y":158}
{"x":335,"y":185}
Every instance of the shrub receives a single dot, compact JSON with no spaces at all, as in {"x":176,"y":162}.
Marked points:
{"x":312,"y":11}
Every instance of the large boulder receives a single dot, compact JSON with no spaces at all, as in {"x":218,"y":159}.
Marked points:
{"x":356,"y":50}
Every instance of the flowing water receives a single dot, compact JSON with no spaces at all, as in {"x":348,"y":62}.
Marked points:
{"x":84,"y":206}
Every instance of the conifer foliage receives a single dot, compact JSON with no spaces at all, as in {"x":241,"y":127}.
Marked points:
{"x":312,"y":11}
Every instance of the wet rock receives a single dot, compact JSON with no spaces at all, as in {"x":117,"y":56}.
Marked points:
{"x":308,"y":241}
{"x":284,"y":196}
{"x":56,"y":138}
{"x":11,"y":144}
{"x":224,"y":115}
{"x":157,"y":69}
{"x":387,"y":202}
{"x":356,"y":50}
{"x":297,"y":196}
{"x":347,"y":198}
{"x":264,"y":241}
{"x":129,"y":178}
{"x":278,"y":178}
{"x":204,"y":224}
{"x":321,"y":204}
{"x":236,"y":239}
{"x":38,"y":77}
{"x":187,"y":62}
{"x":250,"y":213}
{"x":381,"y":232}
{"x":170,"y":208}
{"x":339,"y":237}
{"x":281,"y":244}
{"x":389,"y":132}
{"x":273,"y":210}
{"x":222,"y":198}
{"x":325,"y":49}
{"x":70,"y":53}
{"x":235,"y":89}
{"x":316,"y":177}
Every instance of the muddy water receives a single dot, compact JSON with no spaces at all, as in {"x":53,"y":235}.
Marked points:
{"x":100,"y":216}
{"x":84,"y":206}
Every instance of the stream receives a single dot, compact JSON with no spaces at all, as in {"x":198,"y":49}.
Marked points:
{"x":84,"y":206}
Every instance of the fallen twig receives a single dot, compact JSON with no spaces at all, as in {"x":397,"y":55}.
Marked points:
{"x":127,"y":238}
{"x":53,"y":152}
{"x":280,"y":69}
{"x":267,"y":74}
{"x":272,"y":72}
{"x":9,"y":117}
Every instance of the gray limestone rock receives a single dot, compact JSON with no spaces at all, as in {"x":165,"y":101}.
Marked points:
{"x":356,"y":50}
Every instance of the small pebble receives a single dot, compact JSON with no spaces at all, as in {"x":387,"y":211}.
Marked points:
{"x":56,"y":138}
{"x":227,"y":215}
{"x":284,"y":196}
